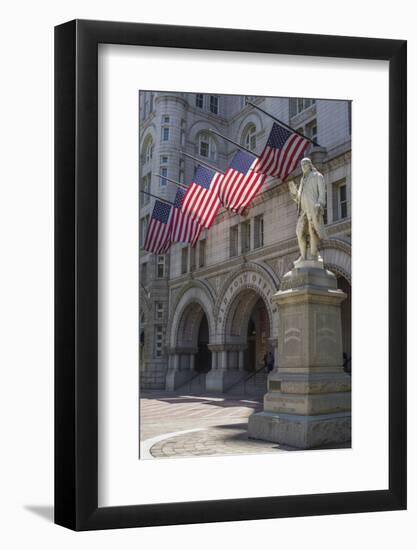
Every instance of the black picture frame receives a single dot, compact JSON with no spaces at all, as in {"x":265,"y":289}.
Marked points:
{"x":76,"y":272}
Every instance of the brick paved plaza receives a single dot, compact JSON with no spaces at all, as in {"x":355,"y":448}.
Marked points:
{"x":174,"y":425}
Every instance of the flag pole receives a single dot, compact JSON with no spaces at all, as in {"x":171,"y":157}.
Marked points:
{"x":282,"y":123}
{"x":170,"y":180}
{"x":201,"y":162}
{"x":155,"y":197}
{"x":231,"y":141}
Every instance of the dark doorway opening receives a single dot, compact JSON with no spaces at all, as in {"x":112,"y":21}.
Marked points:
{"x":257,"y":337}
{"x":202,"y":362}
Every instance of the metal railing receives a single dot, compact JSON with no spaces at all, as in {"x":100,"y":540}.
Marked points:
{"x":245,"y":380}
{"x":188,"y":384}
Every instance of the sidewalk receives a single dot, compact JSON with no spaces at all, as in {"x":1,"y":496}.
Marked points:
{"x":174,"y":425}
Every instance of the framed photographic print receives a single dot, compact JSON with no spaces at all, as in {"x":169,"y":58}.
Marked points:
{"x":230,"y":275}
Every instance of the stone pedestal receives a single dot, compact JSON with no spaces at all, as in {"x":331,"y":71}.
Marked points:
{"x":309,"y":395}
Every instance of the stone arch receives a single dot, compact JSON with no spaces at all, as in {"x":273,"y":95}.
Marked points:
{"x":147,"y":140}
{"x":242,"y":289}
{"x":192,"y":303}
{"x":337,"y":257}
{"x":252,"y":118}
{"x":237,"y":320}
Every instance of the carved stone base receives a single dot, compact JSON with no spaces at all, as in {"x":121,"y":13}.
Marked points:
{"x":302,"y":432}
{"x":309,"y":396}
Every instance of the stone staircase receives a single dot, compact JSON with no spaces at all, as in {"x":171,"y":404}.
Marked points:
{"x":197,"y":384}
{"x":255,"y":386}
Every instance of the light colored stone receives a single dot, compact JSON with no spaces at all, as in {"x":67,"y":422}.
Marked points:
{"x":303,"y":432}
{"x":220,"y":380}
{"x":308,"y":401}
{"x":307,"y":404}
{"x":207,"y":284}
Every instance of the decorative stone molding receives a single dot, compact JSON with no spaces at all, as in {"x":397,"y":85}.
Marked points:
{"x":236,"y":299}
{"x":194,"y":299}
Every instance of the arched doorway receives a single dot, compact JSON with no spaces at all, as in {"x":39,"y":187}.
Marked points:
{"x":346,"y":315}
{"x":202,"y":363}
{"x":246,"y":338}
{"x":258,"y":333}
{"x":190,"y":358}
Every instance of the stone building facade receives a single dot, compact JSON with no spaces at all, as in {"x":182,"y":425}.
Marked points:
{"x":207,"y":311}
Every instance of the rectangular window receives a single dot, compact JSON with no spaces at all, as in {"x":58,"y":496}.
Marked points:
{"x":164,"y":159}
{"x":160,"y":267}
{"x":164,"y":172}
{"x":300,"y":104}
{"x":144,"y":274}
{"x":192,"y":259}
{"x":293,"y":106}
{"x":259,"y":231}
{"x":342,"y":199}
{"x":234,"y":235}
{"x":165,"y":133}
{"x":159,"y":340}
{"x":184,"y":260}
{"x":245,"y":236}
{"x":339,"y":200}
{"x":199,"y":100}
{"x":159,"y":311}
{"x":165,"y":119}
{"x":311,"y":130}
{"x":204,"y":148}
{"x":143,"y":227}
{"x":214,"y":104}
{"x":182,"y":132}
{"x":181,"y":171}
{"x":202,"y":253}
{"x":146,"y":186}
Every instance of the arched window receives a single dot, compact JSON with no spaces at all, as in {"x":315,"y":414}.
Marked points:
{"x":207,"y":146}
{"x":249,"y":136}
{"x":147,"y":149}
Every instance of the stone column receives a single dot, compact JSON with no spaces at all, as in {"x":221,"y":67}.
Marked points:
{"x":181,"y":371}
{"x":241,"y":360}
{"x":213,"y":360}
{"x":308,"y":402}
{"x":226,"y":374}
{"x":223,"y":359}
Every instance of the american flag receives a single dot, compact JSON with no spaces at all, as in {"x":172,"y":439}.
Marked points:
{"x":282,"y":152}
{"x":184,"y":229}
{"x":240,"y":183}
{"x":158,"y":235}
{"x":201,"y":201}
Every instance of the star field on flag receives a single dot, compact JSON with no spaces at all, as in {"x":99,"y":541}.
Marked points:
{"x":158,"y":234}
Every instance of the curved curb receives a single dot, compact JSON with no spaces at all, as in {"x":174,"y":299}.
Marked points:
{"x":147,"y":444}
